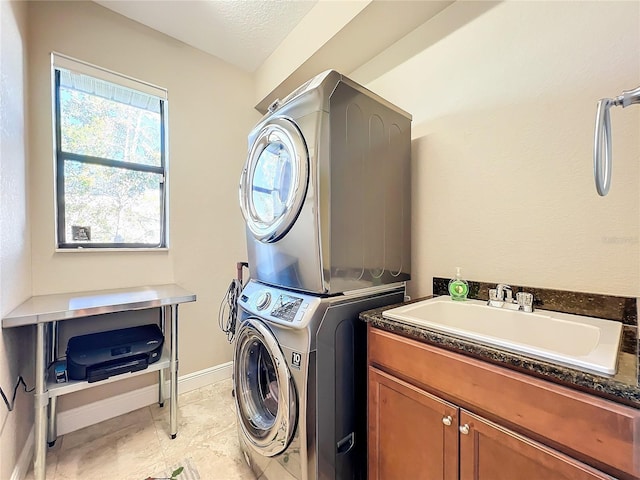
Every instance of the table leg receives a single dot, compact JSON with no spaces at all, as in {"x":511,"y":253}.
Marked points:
{"x":173,"y":412}
{"x":54,"y":334}
{"x":161,"y":387}
{"x":52,"y":427}
{"x":163,"y":324}
{"x":41,"y":399}
{"x":52,"y":430}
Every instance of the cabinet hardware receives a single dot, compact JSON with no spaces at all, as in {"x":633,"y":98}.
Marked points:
{"x":464,"y":429}
{"x":447,"y":420}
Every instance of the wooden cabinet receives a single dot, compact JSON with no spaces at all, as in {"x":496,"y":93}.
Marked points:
{"x":435,"y":414}
{"x":490,"y":452}
{"x":412,"y":434}
{"x":416,"y":435}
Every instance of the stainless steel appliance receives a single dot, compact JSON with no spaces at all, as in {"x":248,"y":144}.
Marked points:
{"x":300,"y":381}
{"x":325,"y":193}
{"x":325,"y":190}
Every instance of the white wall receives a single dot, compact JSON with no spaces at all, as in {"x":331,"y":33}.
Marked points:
{"x":210,"y":114}
{"x":503,"y":105}
{"x":16,"y":350}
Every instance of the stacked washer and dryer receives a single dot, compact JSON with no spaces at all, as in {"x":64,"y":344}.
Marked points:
{"x":325,"y":193}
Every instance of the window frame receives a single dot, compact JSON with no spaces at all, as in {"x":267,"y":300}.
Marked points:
{"x":64,"y":62}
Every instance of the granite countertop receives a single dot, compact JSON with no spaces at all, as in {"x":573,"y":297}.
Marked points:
{"x":624,"y":387}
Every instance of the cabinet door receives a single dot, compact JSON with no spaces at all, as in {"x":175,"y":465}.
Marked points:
{"x":490,"y":452}
{"x":412,"y":434}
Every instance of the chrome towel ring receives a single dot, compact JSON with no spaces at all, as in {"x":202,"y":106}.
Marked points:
{"x":602,"y":137}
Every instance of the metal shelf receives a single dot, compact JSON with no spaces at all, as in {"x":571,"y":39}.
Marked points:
{"x":65,"y":306}
{"x":70,"y":386}
{"x":45,"y":311}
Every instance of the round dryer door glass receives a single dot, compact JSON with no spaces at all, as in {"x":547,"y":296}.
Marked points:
{"x":274,"y":180}
{"x":265,"y":396}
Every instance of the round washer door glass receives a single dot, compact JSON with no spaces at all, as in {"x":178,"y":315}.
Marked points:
{"x":274,"y":180}
{"x":265,"y":396}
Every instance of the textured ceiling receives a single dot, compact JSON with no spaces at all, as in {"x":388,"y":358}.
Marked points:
{"x":241,"y":32}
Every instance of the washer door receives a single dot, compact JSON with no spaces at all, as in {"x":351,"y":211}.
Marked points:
{"x":265,"y":396}
{"x":274,"y":180}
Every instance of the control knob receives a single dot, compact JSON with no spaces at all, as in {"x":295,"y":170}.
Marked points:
{"x":263,"y":300}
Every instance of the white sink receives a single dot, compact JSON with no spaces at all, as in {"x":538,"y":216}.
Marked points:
{"x":585,"y":343}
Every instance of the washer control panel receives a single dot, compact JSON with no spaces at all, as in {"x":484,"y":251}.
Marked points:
{"x":274,"y":304}
{"x":286,"y":307}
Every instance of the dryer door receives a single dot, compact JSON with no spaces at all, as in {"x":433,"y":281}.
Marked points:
{"x":265,"y":395}
{"x":274,"y":180}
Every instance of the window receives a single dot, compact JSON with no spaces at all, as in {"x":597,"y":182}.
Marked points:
{"x":111,"y":176}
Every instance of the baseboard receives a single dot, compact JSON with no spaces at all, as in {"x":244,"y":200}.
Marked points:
{"x":92,"y":413}
{"x":205,"y":377}
{"x":24,"y":460}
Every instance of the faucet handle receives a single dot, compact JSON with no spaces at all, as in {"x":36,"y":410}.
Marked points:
{"x":504,"y":290}
{"x":494,"y":298}
{"x":525,"y":301}
{"x":508,"y":294}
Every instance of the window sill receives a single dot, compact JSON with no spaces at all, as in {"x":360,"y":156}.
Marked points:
{"x":99,"y":250}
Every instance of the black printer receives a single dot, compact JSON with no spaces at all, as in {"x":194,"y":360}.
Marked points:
{"x":98,"y":356}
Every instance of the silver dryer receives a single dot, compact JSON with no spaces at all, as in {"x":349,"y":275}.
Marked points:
{"x":325,"y":190}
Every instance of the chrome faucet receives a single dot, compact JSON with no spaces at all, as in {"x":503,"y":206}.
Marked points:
{"x":502,"y":297}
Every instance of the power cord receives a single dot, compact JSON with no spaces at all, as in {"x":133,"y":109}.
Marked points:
{"x":12,"y":404}
{"x":228,"y":312}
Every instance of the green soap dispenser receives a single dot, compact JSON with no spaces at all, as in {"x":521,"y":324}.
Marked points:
{"x":458,"y":287}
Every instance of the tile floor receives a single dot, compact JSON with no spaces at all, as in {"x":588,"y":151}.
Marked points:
{"x":137,"y":445}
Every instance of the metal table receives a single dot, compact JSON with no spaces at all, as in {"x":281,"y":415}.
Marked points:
{"x":45,"y":311}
